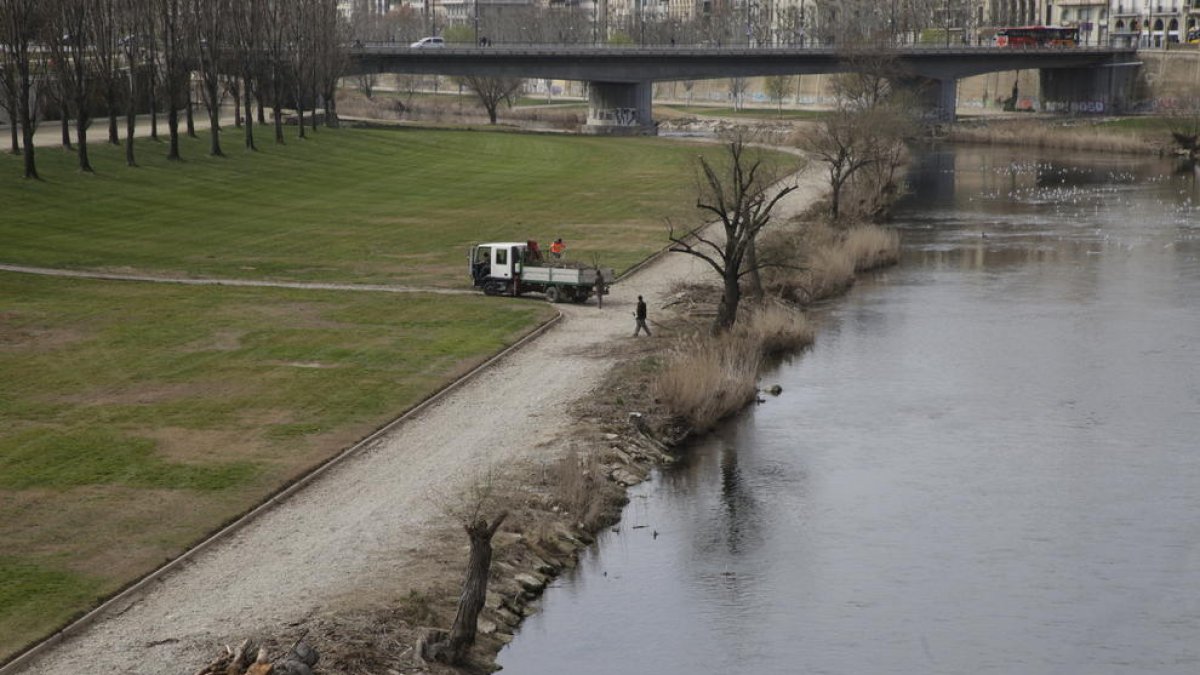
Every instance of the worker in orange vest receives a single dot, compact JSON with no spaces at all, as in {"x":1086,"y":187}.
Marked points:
{"x":557,"y":248}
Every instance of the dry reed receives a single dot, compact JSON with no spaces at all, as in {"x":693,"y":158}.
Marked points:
{"x":1040,"y":135}
{"x":708,"y":378}
{"x":871,"y":246}
{"x":776,"y":329}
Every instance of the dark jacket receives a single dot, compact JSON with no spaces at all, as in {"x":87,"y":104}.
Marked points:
{"x":641,"y":310}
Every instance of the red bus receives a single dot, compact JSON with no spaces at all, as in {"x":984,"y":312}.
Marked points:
{"x":1037,"y":36}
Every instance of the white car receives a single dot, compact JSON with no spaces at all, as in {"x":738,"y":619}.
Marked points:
{"x":428,"y":42}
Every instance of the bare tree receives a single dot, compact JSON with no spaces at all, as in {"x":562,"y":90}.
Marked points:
{"x":332,"y":36}
{"x":8,"y":99}
{"x":106,"y":50}
{"x":275,"y":34}
{"x":865,"y":133}
{"x":68,"y":33}
{"x":452,"y":648}
{"x":247,"y":19}
{"x":741,"y":192}
{"x":778,"y":88}
{"x":366,"y":83}
{"x":131,"y":19}
{"x":492,"y":91}
{"x":737,"y":90}
{"x":172,"y":54}
{"x":209,"y":32}
{"x":20,"y":25}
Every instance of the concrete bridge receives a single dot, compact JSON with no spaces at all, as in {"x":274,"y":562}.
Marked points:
{"x":621,"y":78}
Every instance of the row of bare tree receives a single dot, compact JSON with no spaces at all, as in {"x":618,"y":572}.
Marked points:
{"x":760,"y":23}
{"x":149,"y":56}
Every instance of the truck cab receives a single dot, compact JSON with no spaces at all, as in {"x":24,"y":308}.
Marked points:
{"x":494,"y":266}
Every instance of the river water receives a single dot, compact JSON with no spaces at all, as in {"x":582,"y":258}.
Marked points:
{"x":989,"y":463}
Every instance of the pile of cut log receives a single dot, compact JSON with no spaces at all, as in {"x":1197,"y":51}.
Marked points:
{"x":248,"y":659}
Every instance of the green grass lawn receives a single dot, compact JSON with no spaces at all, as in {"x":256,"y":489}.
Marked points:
{"x":767,"y":113}
{"x":371,"y":206}
{"x":135,"y":418}
{"x":1148,"y":125}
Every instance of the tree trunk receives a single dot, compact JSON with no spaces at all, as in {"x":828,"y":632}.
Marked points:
{"x":81,"y":125}
{"x":474,"y":593}
{"x":14,"y":137}
{"x":114,"y":136}
{"x":153,"y":112}
{"x":751,"y":264}
{"x":300,"y":114}
{"x":235,"y":88}
{"x":130,"y":128}
{"x":331,"y":117}
{"x":214,"y":121}
{"x":173,"y":130}
{"x":727,"y":312}
{"x":262,"y":118}
{"x":491,"y":111}
{"x":189,"y":115}
{"x":277,"y":115}
{"x":27,"y":125}
{"x":248,"y":96}
{"x":65,"y":125}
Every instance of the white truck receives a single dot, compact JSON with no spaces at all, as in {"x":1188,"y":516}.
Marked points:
{"x":513,"y":268}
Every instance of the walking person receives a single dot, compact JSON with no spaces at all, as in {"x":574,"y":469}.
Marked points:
{"x":641,"y":318}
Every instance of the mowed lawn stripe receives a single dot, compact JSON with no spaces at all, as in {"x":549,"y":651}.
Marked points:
{"x":365,"y":206}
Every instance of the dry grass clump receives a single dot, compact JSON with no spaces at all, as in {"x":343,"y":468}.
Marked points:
{"x":1040,"y":135}
{"x":707,"y":378}
{"x":826,"y":258}
{"x":579,"y":486}
{"x":776,"y":329}
{"x":871,"y":246}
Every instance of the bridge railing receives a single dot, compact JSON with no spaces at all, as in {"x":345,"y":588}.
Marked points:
{"x":550,"y":49}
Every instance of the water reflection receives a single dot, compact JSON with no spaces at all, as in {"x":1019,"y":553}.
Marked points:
{"x":987,"y":464}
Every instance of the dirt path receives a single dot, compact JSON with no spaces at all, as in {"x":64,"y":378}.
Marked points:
{"x":190,"y":281}
{"x":360,"y":525}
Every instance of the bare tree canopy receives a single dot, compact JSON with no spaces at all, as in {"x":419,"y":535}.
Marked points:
{"x":21,"y":23}
{"x":865,"y":135}
{"x":492,"y":91}
{"x":741,"y":192}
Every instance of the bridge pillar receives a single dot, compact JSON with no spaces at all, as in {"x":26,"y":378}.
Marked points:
{"x":1097,"y":90}
{"x":938,"y":97}
{"x":620,"y":108}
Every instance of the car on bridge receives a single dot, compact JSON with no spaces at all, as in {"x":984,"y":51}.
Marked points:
{"x":428,"y":42}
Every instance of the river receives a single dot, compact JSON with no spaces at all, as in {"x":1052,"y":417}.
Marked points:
{"x":989,"y":462}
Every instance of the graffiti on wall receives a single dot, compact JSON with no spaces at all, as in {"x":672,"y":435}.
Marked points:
{"x":1075,"y":107}
{"x":621,"y":117}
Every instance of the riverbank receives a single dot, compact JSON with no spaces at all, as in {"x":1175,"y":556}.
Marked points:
{"x":373,"y":533}
{"x":1126,"y":135}
{"x":625,"y":428}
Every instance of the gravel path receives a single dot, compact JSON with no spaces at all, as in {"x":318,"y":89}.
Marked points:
{"x":362,"y":522}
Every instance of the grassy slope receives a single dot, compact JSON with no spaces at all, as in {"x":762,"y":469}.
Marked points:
{"x":364,"y":206}
{"x":136,"y":417}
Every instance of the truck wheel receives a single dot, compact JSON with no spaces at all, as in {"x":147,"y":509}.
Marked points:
{"x":553,"y":294}
{"x":581,"y":297}
{"x":493,"y":288}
